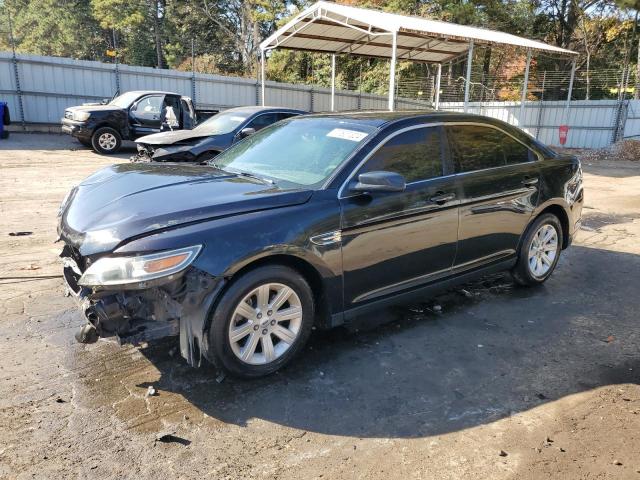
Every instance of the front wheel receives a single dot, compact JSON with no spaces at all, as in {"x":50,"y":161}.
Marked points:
{"x":106,"y":140}
{"x":539,"y":252}
{"x":261,"y":322}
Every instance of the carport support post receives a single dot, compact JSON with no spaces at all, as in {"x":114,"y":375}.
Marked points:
{"x":525,"y":86}
{"x":333,"y":82}
{"x":437,"y":100}
{"x":566,"y":108}
{"x":392,"y":72}
{"x":262,"y":75}
{"x":467,"y":82}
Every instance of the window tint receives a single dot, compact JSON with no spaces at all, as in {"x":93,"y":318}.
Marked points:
{"x":283,"y":115}
{"x":474,"y":147}
{"x":415,"y":154}
{"x":515,"y":152}
{"x":262,"y":121}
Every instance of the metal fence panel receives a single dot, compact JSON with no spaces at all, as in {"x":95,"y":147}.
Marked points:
{"x":50,"y":84}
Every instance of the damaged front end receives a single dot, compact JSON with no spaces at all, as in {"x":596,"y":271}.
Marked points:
{"x":164,"y":153}
{"x":143,"y":298}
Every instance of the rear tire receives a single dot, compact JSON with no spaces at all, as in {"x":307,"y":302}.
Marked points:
{"x":106,"y":140}
{"x":261,"y":322}
{"x":539,"y":252}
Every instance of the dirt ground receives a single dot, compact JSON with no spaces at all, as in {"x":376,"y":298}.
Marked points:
{"x":499,"y":382}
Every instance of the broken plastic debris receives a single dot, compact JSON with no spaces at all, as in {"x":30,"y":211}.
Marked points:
{"x":220,"y":378}
{"x":151,"y":391}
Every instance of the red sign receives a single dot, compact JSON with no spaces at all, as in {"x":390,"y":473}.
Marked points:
{"x":563,"y":130}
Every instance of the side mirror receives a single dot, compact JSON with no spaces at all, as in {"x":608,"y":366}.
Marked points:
{"x":379,"y":181}
{"x":104,"y":101}
{"x":246,"y":132}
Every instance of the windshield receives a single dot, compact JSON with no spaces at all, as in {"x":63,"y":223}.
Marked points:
{"x":303,"y":151}
{"x":225,"y":122}
{"x":124,"y":100}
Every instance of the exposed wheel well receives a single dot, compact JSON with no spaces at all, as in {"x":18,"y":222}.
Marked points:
{"x":305,"y":269}
{"x":559,"y":212}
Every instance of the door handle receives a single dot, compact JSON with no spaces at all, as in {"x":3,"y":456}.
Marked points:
{"x":529,"y":182}
{"x":441,"y":197}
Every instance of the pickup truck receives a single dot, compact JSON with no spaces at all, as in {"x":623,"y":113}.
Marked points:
{"x":129,"y":116}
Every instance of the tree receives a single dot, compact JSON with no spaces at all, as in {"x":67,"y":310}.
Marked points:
{"x":140,"y":21}
{"x":60,"y":28}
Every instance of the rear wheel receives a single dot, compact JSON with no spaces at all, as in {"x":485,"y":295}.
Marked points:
{"x":106,"y":140}
{"x":261,"y":322}
{"x":540,"y":251}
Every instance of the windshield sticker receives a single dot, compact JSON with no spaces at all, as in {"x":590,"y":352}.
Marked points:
{"x":345,"y":134}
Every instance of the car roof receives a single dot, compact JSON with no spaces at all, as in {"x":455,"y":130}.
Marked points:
{"x":379,"y":118}
{"x":251,"y":109}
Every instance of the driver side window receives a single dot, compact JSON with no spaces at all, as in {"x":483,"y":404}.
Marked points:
{"x":415,"y":154}
{"x":148,"y":108}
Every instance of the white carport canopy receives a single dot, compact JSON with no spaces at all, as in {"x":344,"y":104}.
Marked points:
{"x":331,"y":28}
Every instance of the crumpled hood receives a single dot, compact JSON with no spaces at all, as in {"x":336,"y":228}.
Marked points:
{"x":129,"y":200}
{"x":171,"y":138}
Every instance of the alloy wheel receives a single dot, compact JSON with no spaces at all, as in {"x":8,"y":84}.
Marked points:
{"x":543,"y":250}
{"x":107,"y":141}
{"x":265,"y":324}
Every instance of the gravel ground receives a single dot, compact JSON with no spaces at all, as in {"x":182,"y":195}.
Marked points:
{"x":486,"y":381}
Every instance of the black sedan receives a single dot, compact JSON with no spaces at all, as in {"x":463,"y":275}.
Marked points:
{"x":210,"y":137}
{"x":309,"y":222}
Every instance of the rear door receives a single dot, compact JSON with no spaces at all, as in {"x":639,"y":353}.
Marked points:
{"x":396,"y":241}
{"x":498,"y":178}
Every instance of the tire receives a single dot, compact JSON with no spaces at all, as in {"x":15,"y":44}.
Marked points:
{"x":106,"y":140}
{"x":539,"y":252}
{"x":261,"y":338}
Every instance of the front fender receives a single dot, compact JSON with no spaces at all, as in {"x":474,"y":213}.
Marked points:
{"x":232,"y":243}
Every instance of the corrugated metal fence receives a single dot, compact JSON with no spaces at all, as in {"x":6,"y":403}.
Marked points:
{"x":38,"y":89}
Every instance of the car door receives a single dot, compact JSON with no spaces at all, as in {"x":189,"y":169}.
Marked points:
{"x":395,"y":241}
{"x":498,"y":181}
{"x":146,"y":115}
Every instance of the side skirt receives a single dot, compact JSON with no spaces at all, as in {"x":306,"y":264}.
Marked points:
{"x":423,"y":291}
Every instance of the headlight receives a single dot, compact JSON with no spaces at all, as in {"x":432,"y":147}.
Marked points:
{"x":79,"y":116}
{"x":127,"y":270}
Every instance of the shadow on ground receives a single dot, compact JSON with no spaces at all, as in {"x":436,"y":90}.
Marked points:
{"x":494,"y":350}
{"x":37,"y":141}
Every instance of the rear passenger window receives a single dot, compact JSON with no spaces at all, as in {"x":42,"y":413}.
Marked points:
{"x":474,"y":147}
{"x":415,"y":154}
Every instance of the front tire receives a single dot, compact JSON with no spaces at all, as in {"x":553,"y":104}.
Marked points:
{"x":539,"y":252}
{"x":261,"y":322}
{"x":106,"y":140}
